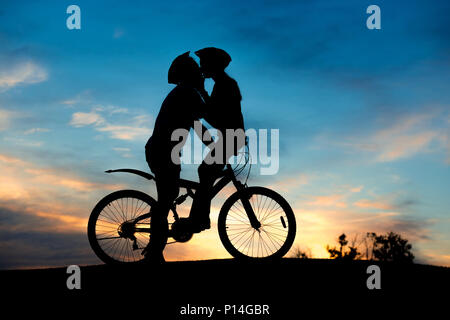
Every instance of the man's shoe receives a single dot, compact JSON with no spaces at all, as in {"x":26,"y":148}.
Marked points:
{"x":196,"y":226}
{"x":153,"y":260}
{"x":152,"y":257}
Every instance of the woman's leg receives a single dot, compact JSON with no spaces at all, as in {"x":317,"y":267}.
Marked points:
{"x":201,"y":205}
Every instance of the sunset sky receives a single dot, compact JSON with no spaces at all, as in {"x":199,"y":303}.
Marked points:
{"x":363,"y":115}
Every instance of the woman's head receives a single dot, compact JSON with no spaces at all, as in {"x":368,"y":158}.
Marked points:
{"x":213,"y":61}
{"x":184,"y":70}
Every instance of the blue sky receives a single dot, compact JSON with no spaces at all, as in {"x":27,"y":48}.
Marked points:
{"x":363,"y":114}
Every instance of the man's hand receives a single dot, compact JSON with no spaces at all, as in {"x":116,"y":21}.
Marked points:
{"x":200,"y":84}
{"x":204,"y":95}
{"x":203,"y":133}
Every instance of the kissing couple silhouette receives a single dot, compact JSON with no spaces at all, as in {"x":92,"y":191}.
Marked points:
{"x":186,"y":103}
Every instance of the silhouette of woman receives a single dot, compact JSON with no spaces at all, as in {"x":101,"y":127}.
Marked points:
{"x":223,"y":112}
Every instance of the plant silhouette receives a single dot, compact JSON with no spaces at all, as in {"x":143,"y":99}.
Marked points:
{"x":344,"y":252}
{"x":392,"y":247}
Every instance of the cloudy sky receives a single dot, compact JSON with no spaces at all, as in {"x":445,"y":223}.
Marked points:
{"x":363,"y":115}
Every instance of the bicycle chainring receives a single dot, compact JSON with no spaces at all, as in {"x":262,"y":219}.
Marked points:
{"x":180,"y":232}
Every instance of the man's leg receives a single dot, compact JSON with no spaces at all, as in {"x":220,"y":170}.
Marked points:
{"x":167,"y":185}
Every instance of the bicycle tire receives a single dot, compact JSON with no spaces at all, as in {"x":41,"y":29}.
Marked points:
{"x":227,"y":223}
{"x":116,"y":218}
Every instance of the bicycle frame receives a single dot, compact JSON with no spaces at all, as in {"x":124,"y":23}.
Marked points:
{"x":228,"y":176}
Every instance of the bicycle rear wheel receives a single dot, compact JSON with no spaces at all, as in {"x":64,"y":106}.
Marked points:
{"x":118,"y":227}
{"x":275,"y":236}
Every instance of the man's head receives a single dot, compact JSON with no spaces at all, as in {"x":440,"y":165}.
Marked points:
{"x":213,"y":61}
{"x":184,"y":70}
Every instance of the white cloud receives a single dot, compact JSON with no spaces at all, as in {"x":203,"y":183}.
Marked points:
{"x":81,"y":119}
{"x":126,"y":132}
{"x":36,"y":130}
{"x":405,"y":138}
{"x":5,"y":118}
{"x":124,"y":152}
{"x":110,"y":109}
{"x":121,"y":149}
{"x":118,"y":33}
{"x":24,"y":142}
{"x":134,"y":128}
{"x":22,"y":73}
{"x":408,"y":136}
{"x":82,"y":97}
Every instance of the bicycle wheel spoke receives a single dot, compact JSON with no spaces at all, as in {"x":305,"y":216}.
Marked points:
{"x":138,"y":209}
{"x":272,"y":238}
{"x":274,"y":214}
{"x":266,"y":212}
{"x":115,"y":219}
{"x":120,"y":208}
{"x":118,"y":211}
{"x":109,"y":238}
{"x":238,"y":220}
{"x":105,"y":232}
{"x":274,"y":220}
{"x":240,"y":212}
{"x":279,"y":229}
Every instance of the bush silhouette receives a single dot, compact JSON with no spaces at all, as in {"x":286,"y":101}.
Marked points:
{"x":301,"y":254}
{"x":392,"y":247}
{"x":344,"y":252}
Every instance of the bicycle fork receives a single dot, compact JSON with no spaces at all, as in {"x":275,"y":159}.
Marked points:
{"x":247,"y":206}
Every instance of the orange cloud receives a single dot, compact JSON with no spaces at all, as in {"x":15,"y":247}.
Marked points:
{"x":403,"y":146}
{"x":357,"y":189}
{"x":51,"y":177}
{"x":11,"y":160}
{"x":370,"y":204}
{"x":290,"y":183}
{"x":409,"y":135}
{"x":63,"y":199}
{"x":64,"y":222}
{"x":335,"y":200}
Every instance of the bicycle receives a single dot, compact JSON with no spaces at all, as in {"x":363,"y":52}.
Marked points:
{"x":253,"y":223}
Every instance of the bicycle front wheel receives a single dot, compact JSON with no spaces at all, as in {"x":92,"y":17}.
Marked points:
{"x":118,"y":228}
{"x":275,"y":236}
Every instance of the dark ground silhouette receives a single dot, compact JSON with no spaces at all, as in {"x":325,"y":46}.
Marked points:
{"x":290,"y":287}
